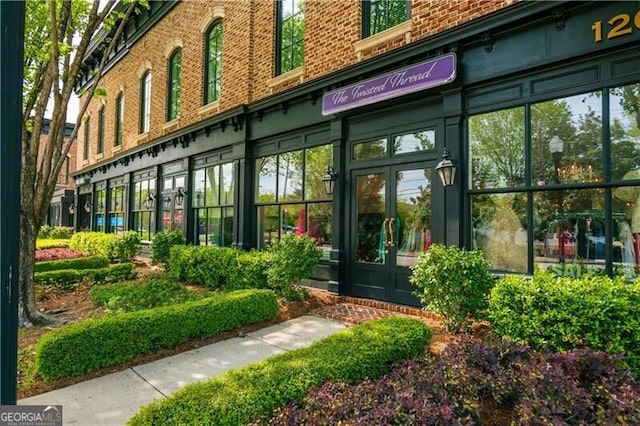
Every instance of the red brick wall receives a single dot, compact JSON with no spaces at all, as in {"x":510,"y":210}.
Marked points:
{"x":331,"y":29}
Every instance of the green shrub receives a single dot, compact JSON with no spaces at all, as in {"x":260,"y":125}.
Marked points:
{"x":115,"y":247}
{"x":251,"y":271}
{"x":133,"y":296}
{"x":44,"y":232}
{"x":61,"y":233}
{"x":244,"y":395}
{"x":125,"y":246}
{"x":209,"y":266}
{"x":453,"y":282}
{"x":65,"y":278}
{"x":92,"y":262}
{"x":89,"y":345}
{"x":291,"y":260}
{"x":43,"y":244}
{"x":162,"y":243}
{"x":55,"y":233}
{"x":548,"y":312}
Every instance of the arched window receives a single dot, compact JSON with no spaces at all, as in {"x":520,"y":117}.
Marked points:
{"x":175,"y":84}
{"x":145,"y":101}
{"x":213,"y":63}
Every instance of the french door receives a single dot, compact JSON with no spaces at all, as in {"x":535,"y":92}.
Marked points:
{"x":393,"y":221}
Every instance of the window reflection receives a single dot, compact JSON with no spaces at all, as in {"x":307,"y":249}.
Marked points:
{"x":566,"y":137}
{"x":300,"y":204}
{"x":212,"y":200}
{"x":496,"y":144}
{"x":624,"y":127}
{"x":143,"y":217}
{"x":370,"y":149}
{"x":412,"y":142}
{"x":500,"y":230}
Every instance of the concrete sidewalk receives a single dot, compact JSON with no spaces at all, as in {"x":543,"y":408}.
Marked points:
{"x":115,"y":398}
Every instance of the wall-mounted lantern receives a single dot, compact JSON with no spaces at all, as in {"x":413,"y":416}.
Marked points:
{"x":180,"y":196}
{"x":148,"y":202}
{"x":72,"y":208}
{"x":446,"y":169}
{"x":329,"y":180}
{"x":87,"y":206}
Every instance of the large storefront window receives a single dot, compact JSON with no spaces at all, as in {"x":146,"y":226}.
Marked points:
{"x":569,"y":196}
{"x":116,"y":210}
{"x":143,"y":208}
{"x":212,"y":203}
{"x":290,"y":196}
{"x":100,"y":206}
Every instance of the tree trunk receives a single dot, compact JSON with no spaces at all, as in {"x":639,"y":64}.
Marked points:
{"x":28,"y":314}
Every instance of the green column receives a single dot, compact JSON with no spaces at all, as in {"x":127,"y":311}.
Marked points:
{"x":11,"y":46}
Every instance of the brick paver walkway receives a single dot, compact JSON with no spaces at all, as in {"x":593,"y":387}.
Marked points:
{"x":350,"y":310}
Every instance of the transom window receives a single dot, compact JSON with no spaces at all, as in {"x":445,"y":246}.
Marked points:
{"x":290,"y":35}
{"x":419,"y":140}
{"x":213,"y":63}
{"x":290,"y":196}
{"x":145,"y":101}
{"x":559,"y":179}
{"x":175,"y":84}
{"x":379,"y":15}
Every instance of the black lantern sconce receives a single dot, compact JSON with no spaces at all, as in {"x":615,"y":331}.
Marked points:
{"x":167,"y":202}
{"x":329,"y":180}
{"x":148,"y":202}
{"x":180,"y":196}
{"x":446,"y":169}
{"x":87,"y":206}
{"x":72,"y":208}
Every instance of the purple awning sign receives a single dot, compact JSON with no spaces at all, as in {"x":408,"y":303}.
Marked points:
{"x":431,"y":73}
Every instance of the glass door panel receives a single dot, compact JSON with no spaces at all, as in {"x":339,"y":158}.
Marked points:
{"x":413,"y":215}
{"x":371,"y":236}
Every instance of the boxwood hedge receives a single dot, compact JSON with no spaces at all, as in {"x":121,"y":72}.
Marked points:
{"x":66,"y":278}
{"x":92,"y":262}
{"x":548,"y":312}
{"x":246,"y":394}
{"x":96,"y":343}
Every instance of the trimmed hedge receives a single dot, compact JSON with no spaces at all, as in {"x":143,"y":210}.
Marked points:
{"x":162,"y":243}
{"x":42,"y":244}
{"x":209,"y":266}
{"x":548,"y":312}
{"x":92,"y":262}
{"x":87,"y":346}
{"x":115,"y":247}
{"x":66,"y":278}
{"x":246,"y":394}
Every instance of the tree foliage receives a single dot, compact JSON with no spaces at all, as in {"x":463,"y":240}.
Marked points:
{"x":58,"y":35}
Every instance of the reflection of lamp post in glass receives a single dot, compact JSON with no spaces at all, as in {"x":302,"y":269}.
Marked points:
{"x":556,"y":146}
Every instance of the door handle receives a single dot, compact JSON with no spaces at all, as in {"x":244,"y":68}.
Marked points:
{"x":385,"y":225}
{"x":391,"y":226}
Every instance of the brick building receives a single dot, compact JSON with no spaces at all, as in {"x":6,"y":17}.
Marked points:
{"x":227,"y":119}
